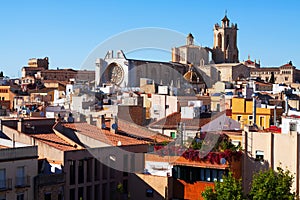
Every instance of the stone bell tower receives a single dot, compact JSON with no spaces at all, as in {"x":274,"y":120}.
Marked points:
{"x":225,"y":42}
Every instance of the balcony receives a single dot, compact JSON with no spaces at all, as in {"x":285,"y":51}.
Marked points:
{"x":223,"y":153}
{"x":22,"y":182}
{"x":5,"y":184}
{"x":50,"y":179}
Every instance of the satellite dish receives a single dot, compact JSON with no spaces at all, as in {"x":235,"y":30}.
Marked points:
{"x":114,"y":126}
{"x":119,"y":143}
{"x":223,"y":161}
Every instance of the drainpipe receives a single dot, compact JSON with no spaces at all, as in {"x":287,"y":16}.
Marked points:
{"x":275,"y":115}
{"x":254,"y":108}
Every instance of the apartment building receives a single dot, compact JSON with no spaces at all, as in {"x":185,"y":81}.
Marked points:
{"x":18,"y":167}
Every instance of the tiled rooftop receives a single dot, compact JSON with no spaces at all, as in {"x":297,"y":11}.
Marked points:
{"x":179,"y":160}
{"x":53,"y":140}
{"x":103,"y":135}
{"x":172,"y":120}
{"x":141,"y":132}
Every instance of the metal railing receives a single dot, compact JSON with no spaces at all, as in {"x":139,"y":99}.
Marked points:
{"x":22,"y":181}
{"x":5,"y":184}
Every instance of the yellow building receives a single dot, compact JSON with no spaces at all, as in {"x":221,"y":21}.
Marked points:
{"x":6,"y":97}
{"x":4,"y":92}
{"x":242,"y":111}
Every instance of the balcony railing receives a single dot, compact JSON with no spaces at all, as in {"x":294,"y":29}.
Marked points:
{"x":5,"y":184}
{"x":22,"y":182}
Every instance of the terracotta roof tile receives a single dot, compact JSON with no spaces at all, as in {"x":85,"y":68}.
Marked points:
{"x":53,"y":140}
{"x":103,"y":135}
{"x":172,"y":120}
{"x":141,"y":132}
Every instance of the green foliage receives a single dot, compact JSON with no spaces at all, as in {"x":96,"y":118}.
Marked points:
{"x":120,"y":188}
{"x":209,"y":194}
{"x":230,"y":188}
{"x":266,"y":185}
{"x":272,"y":185}
{"x":196,"y":145}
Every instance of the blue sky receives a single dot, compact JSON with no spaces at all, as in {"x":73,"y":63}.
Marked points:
{"x":68,"y":31}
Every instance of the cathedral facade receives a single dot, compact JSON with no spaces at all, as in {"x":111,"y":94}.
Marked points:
{"x":122,"y":72}
{"x":224,"y":66}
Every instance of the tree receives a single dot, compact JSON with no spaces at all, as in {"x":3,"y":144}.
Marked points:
{"x":1,"y":74}
{"x":272,"y":185}
{"x":230,"y":188}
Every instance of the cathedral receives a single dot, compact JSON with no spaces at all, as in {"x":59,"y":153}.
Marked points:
{"x":190,"y":63}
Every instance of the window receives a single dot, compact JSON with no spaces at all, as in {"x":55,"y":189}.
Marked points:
{"x":262,"y":121}
{"x":97,"y":192}
{"x":20,"y":176}
{"x":97,"y":169}
{"x":20,"y":196}
{"x":286,"y":78}
{"x":125,"y":186}
{"x":89,"y":192}
{"x":250,"y":119}
{"x":173,"y":135}
{"x":259,"y":155}
{"x":89,"y":165}
{"x":104,"y":190}
{"x":72,"y":193}
{"x":112,"y":189}
{"x":47,"y":196}
{"x":207,"y":175}
{"x":238,"y":118}
{"x":80,"y":193}
{"x":202,"y":175}
{"x":214,"y":175}
{"x":198,"y":174}
{"x":2,"y":178}
{"x":220,"y":175}
{"x":81,"y":171}
{"x":220,"y":40}
{"x":293,"y":127}
{"x":72,"y":172}
{"x":59,"y":196}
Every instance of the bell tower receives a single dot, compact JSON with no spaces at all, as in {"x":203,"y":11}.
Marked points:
{"x":225,"y":42}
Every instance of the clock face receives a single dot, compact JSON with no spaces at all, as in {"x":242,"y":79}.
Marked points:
{"x":116,"y":74}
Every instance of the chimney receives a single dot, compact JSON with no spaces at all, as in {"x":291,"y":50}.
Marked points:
{"x":114,"y":124}
{"x":21,"y":125}
{"x":254,"y":108}
{"x":101,"y":122}
{"x":89,"y":119}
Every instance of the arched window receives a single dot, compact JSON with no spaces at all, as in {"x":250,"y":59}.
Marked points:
{"x":220,"y":40}
{"x":227,"y":41}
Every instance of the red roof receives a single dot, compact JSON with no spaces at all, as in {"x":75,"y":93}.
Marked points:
{"x":139,"y":131}
{"x":172,"y":120}
{"x":103,"y":135}
{"x":55,"y":141}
